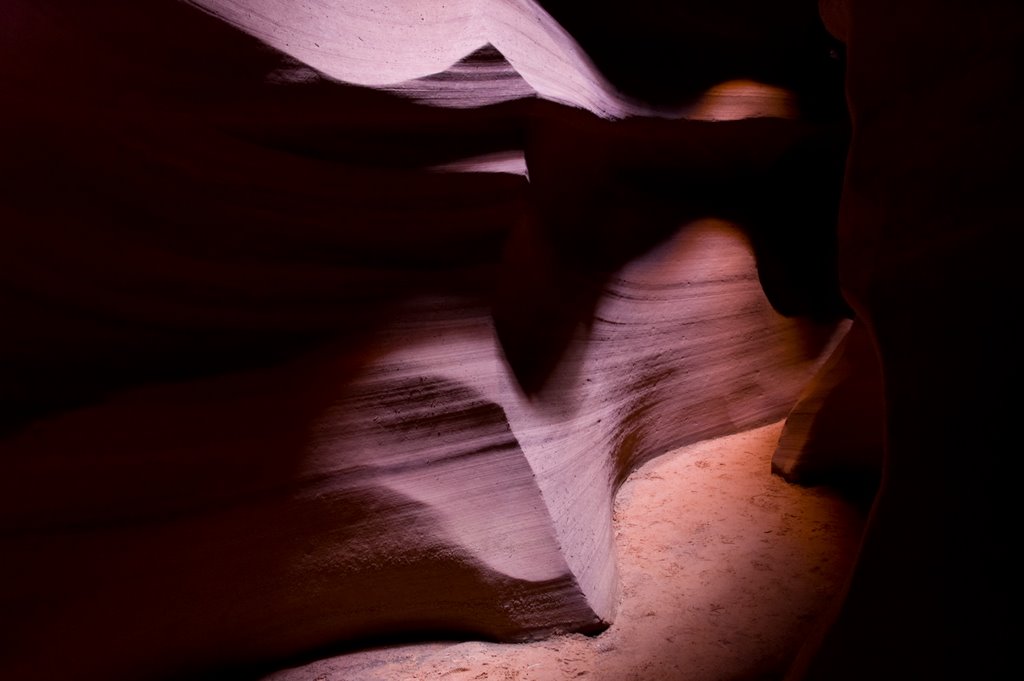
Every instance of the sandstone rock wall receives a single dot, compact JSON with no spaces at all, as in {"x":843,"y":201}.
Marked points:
{"x":255,"y":399}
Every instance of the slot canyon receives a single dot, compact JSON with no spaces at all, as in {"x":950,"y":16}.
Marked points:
{"x":731,"y":282}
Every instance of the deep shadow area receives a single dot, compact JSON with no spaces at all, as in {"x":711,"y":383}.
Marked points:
{"x":668,"y":52}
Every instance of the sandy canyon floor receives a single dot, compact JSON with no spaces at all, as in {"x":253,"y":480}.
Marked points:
{"x":724,"y":567}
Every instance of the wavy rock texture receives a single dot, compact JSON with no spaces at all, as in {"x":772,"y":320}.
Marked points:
{"x":366,"y":43}
{"x":255,"y":399}
{"x":267,"y":513}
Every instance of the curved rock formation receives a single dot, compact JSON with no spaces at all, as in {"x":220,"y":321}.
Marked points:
{"x":291,"y":362}
{"x":405,"y":487}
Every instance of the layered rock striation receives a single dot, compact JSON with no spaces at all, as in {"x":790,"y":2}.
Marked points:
{"x":291,"y":363}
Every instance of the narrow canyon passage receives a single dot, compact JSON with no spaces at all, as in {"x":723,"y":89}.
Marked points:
{"x":337,"y":322}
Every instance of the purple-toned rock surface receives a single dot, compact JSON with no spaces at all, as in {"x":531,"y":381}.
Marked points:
{"x":296,"y":356}
{"x":403,"y":487}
